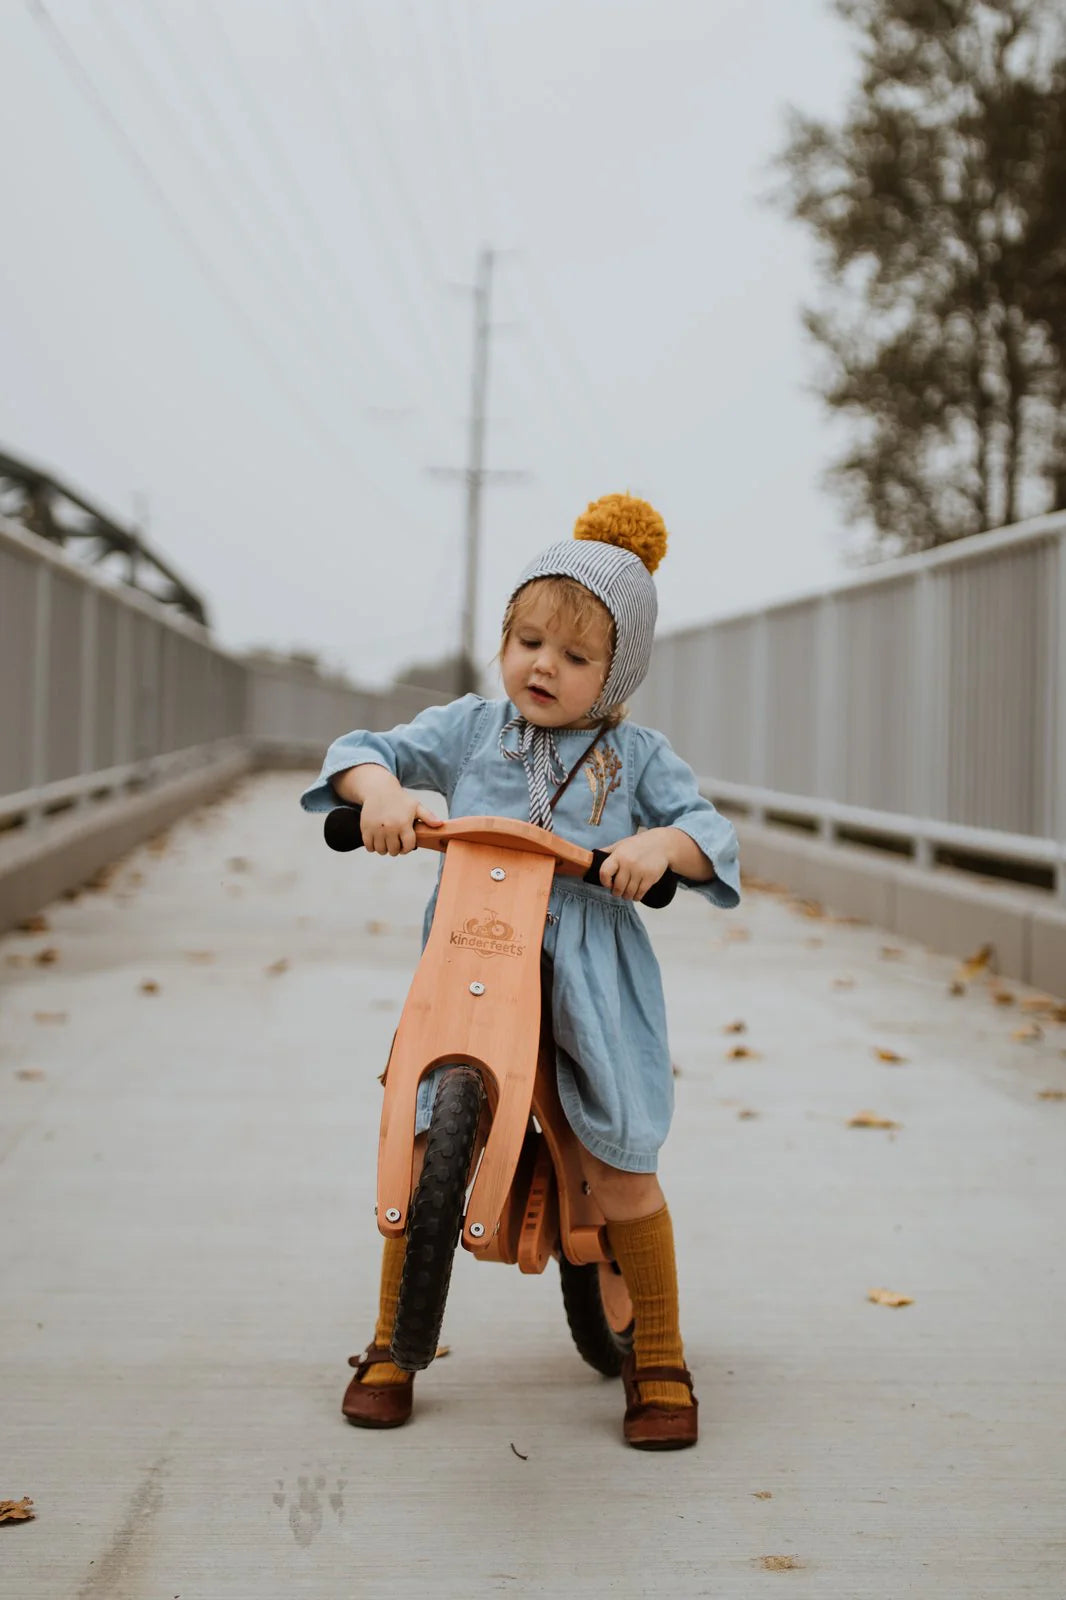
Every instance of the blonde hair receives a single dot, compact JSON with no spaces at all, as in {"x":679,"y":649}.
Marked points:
{"x":575,"y":607}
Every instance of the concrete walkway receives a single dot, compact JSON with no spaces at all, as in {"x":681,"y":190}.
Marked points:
{"x":188,"y":1115}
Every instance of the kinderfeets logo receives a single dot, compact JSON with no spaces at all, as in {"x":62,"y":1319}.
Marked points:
{"x":492,"y":937}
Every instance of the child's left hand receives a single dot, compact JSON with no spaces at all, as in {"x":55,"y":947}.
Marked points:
{"x":634,"y":864}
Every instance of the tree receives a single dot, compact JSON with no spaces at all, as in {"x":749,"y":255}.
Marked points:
{"x":939,"y":209}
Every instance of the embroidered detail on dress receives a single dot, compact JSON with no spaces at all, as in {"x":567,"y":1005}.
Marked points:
{"x":603,"y":770}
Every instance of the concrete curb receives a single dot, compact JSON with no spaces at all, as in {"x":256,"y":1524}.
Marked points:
{"x":950,"y":911}
{"x":62,"y":854}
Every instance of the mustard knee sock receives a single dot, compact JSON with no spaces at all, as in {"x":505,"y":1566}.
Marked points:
{"x":391,"y":1270}
{"x":644,"y":1250}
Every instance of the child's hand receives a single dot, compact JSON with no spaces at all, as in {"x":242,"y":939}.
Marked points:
{"x":634,"y":864}
{"x":388,"y":822}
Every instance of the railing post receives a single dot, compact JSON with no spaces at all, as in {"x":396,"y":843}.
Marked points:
{"x":89,"y":688}
{"x":827,"y":711}
{"x":760,"y":710}
{"x":42,"y":651}
{"x":1058,"y":743}
{"x":927,"y":751}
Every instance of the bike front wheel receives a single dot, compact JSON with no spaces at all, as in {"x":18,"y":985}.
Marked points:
{"x":436,"y":1218}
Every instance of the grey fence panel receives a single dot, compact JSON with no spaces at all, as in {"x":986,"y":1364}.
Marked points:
{"x":876,"y":688}
{"x":105,"y":699}
{"x":18,"y":611}
{"x":738,"y":743}
{"x":64,"y":700}
{"x":791,"y":751}
{"x":1000,"y":689}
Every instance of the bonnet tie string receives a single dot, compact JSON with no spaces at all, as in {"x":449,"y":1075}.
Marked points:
{"x":537,"y":751}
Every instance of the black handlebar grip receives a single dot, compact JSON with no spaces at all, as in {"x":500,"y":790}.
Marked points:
{"x":342,"y":828}
{"x":659,"y":895}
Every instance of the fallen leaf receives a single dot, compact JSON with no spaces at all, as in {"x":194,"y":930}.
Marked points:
{"x":47,"y":957}
{"x":870,"y":1119}
{"x":891,"y":1056}
{"x":843,"y":983}
{"x":149,"y":986}
{"x":1028,"y":1033}
{"x":102,"y":877}
{"x":737,"y":935}
{"x":977,"y":962}
{"x":51,"y":1016}
{"x":38,"y":923}
{"x":675,"y":1069}
{"x":519,"y":1454}
{"x":780,"y":1563}
{"x":957,"y":987}
{"x":442,"y":1350}
{"x":276,"y":968}
{"x":376,"y":928}
{"x":1002,"y":997}
{"x":735,"y":1027}
{"x":762,"y":1494}
{"x":745,"y":1114}
{"x":888,"y":1297}
{"x":741,"y":1052}
{"x":200,"y":957}
{"x":1051,"y":1094}
{"x":809,"y":908}
{"x":159,"y":845}
{"x":30,"y":1074}
{"x":17,"y":1510}
{"x":891,"y":952}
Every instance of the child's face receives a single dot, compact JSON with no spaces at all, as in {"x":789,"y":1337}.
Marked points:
{"x":552,"y":672}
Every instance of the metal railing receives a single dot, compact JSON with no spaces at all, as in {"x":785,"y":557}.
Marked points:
{"x":921,"y":705}
{"x":106,"y":691}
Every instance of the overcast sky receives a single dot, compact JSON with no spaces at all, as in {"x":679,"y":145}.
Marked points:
{"x":235,"y":238}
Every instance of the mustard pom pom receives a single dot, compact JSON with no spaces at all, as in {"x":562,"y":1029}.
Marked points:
{"x":631,"y":524}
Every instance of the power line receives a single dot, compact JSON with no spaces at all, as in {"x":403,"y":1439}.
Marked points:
{"x":87,"y":87}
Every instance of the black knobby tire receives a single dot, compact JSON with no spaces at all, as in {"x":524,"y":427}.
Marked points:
{"x":435,"y":1219}
{"x":601,"y":1345}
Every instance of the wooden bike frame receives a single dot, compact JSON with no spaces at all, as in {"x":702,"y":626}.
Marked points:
{"x":476,"y":999}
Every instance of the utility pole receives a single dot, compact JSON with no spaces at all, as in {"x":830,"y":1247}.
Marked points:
{"x":475,"y":474}
{"x":475,"y":471}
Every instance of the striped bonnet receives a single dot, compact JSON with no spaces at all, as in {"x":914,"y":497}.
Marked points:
{"x":617,"y":544}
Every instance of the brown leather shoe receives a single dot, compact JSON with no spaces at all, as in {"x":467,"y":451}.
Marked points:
{"x":653,"y":1427}
{"x":385,"y":1405}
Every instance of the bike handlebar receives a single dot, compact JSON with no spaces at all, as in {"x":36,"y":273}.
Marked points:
{"x":343,"y":832}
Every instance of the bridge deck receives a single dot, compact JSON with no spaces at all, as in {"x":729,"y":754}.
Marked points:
{"x":188,"y":1254}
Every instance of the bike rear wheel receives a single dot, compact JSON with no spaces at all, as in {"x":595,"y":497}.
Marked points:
{"x":436,"y":1218}
{"x":599,"y":1312}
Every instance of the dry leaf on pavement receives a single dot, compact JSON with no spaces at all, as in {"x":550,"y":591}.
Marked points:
{"x":1028,"y":1033}
{"x":149,"y":986}
{"x":762,"y":1494}
{"x":376,"y":928}
{"x":38,"y":923}
{"x":741,"y":1052}
{"x":843,"y":983}
{"x":888,"y":1297}
{"x":1002,"y":997}
{"x":17,"y":1510}
{"x":891,"y":952}
{"x":200,"y":957}
{"x":47,"y":957}
{"x":1051,"y":1094}
{"x":51,"y":1016}
{"x":780,"y":1563}
{"x":891,"y":1056}
{"x":276,"y":968}
{"x":977,"y":962}
{"x":442,"y":1350}
{"x":30,"y":1074}
{"x":870,"y":1119}
{"x":735,"y":1027}
{"x":957,"y":987}
{"x":745,"y":1114}
{"x":737,"y":935}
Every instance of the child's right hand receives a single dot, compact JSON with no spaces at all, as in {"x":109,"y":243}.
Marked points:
{"x":388,"y":822}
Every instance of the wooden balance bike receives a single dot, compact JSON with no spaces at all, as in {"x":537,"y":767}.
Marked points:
{"x":502,"y":1167}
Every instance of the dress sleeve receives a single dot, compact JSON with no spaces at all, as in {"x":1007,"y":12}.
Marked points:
{"x":666,"y":795}
{"x":423,"y":754}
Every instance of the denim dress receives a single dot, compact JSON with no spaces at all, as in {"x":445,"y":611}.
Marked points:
{"x":608,"y":1014}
